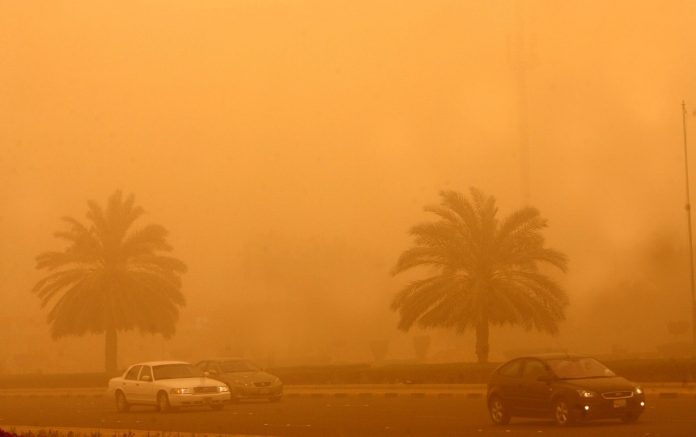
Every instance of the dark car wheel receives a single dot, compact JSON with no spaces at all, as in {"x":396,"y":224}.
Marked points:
{"x":562,"y":413}
{"x":498,"y":412}
{"x":122,"y":405}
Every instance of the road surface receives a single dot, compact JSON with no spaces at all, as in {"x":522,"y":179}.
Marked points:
{"x":338,"y":416}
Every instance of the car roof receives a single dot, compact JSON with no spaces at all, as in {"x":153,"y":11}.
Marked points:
{"x":553,"y":356}
{"x":226,"y":359}
{"x":543,"y":357}
{"x":159,"y":363}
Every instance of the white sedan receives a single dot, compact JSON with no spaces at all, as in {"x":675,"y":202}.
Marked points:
{"x":167,"y":385}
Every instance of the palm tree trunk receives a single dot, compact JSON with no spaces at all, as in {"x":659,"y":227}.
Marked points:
{"x":110,"y":348}
{"x":482,"y":341}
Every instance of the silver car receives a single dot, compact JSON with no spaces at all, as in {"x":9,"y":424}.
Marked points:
{"x":245,"y":379}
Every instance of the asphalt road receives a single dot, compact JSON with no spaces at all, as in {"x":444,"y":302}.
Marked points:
{"x":331,"y":416}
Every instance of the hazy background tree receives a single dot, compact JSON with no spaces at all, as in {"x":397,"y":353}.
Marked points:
{"x":379,"y":349}
{"x":109,"y":278}
{"x":421,"y":345}
{"x":486,"y":271}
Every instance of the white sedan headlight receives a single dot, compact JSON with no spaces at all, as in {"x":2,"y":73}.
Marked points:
{"x":181,"y":391}
{"x":276,"y":381}
{"x":223,"y":389}
{"x":639,"y":390}
{"x":586,"y":394}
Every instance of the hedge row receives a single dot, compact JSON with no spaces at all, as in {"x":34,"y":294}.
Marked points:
{"x":451,"y":373}
{"x":656,"y":370}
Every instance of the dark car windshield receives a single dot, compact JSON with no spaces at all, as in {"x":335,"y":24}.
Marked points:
{"x":578,"y":368}
{"x":238,"y":366}
{"x":171,"y":371}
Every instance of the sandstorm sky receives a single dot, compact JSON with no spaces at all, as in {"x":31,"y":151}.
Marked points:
{"x":289,"y":145}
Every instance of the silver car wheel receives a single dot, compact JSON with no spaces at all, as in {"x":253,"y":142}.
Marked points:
{"x":562,"y":412}
{"x":496,"y":408}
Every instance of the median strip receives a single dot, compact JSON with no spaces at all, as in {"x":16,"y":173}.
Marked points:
{"x":469,"y":391}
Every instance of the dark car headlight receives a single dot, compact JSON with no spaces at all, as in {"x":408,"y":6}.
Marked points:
{"x":586,"y":394}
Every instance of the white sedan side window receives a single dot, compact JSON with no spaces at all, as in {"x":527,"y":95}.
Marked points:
{"x":145,"y":372}
{"x":133,"y":373}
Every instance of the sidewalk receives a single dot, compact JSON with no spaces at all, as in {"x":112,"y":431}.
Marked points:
{"x":663,"y":390}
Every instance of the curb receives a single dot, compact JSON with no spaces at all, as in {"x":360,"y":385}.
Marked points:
{"x":107,"y":432}
{"x":329,"y":394}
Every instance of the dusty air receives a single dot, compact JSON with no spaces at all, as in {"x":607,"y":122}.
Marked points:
{"x":330,"y":218}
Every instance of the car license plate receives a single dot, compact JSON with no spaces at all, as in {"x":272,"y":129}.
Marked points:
{"x":619,"y":403}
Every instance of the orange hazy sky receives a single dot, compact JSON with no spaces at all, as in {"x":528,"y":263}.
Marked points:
{"x":287,"y":126}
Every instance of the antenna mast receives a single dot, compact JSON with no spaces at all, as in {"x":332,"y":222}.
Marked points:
{"x":691,"y":242}
{"x":520,"y":63}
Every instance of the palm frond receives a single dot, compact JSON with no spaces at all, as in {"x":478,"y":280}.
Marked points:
{"x":489,"y":271}
{"x":419,"y":256}
{"x":146,"y":241}
{"x":121,"y":214}
{"x":106,"y":278}
{"x":54,"y":260}
{"x":158,"y":262}
{"x":462,"y":207}
{"x":80,"y":309}
{"x":520,"y":219}
{"x":418,"y":297}
{"x":95,"y":214}
{"x":445,"y":213}
{"x":56,"y":282}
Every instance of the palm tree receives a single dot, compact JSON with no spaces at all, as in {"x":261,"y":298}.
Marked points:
{"x":108,"y":279}
{"x":486,"y":272}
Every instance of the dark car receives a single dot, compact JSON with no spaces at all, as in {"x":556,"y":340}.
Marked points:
{"x":245,"y":379}
{"x":567,"y":388}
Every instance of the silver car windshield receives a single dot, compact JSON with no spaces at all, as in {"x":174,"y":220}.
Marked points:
{"x":172,"y":371}
{"x":579,"y":368}
{"x":238,"y":366}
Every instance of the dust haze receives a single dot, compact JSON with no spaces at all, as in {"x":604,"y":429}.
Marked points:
{"x":289,"y":146}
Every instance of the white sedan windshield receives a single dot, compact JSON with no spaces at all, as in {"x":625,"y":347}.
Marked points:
{"x":172,"y":371}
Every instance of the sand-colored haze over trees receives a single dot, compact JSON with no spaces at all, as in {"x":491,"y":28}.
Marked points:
{"x":484,"y":271}
{"x":111,"y":277}
{"x":288,"y":147}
